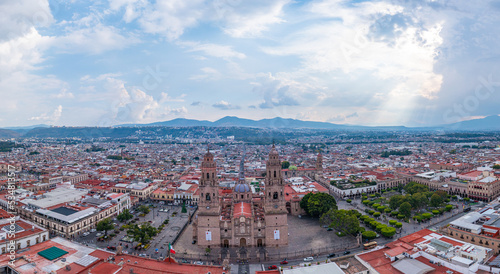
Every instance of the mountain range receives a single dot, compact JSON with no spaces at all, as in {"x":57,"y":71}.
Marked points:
{"x":489,"y":123}
{"x":486,"y":123}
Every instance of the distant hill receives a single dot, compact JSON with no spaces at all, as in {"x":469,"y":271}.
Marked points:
{"x":232,"y":121}
{"x":486,"y":123}
{"x":27,"y":127}
{"x":7,"y":133}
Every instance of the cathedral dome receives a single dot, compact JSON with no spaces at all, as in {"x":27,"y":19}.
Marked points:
{"x":242,"y":188}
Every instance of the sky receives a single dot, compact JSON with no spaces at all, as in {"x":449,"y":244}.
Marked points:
{"x":103,"y":63}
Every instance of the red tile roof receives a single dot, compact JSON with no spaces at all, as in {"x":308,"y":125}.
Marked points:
{"x":242,"y":209}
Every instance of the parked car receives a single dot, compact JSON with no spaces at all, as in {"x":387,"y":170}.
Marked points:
{"x":284,"y":262}
{"x":99,"y":234}
{"x":272,"y":267}
{"x":86,"y":233}
{"x":329,"y":229}
{"x":347,"y":252}
{"x":308,"y":259}
{"x":110,"y":247}
{"x":331,"y":255}
{"x":143,"y":255}
{"x":198,"y":262}
{"x":93,"y":230}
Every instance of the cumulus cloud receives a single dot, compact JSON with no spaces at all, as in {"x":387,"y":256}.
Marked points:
{"x":19,"y":17}
{"x":223,"y":105}
{"x":128,"y":104}
{"x":275,"y":93}
{"x":49,"y":117}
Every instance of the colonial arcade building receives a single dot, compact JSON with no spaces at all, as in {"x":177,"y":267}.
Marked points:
{"x":241,"y":218}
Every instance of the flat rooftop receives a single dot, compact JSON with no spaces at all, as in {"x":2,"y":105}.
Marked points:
{"x":57,"y":196}
{"x":64,"y":211}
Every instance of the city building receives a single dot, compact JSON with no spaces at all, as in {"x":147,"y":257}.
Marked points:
{"x":426,"y":251}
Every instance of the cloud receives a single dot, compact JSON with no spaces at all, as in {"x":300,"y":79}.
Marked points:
{"x":196,"y":103}
{"x":223,"y":105}
{"x":166,"y":98}
{"x":214,"y":50}
{"x":18,"y":17}
{"x":252,"y":18}
{"x":127,"y":104}
{"x":95,"y":39}
{"x":171,"y":18}
{"x":342,"y":117}
{"x":63,"y":94}
{"x":208,"y":74}
{"x":275,"y":92}
{"x":52,"y":118}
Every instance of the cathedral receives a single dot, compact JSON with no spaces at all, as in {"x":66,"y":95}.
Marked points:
{"x":240,"y":218}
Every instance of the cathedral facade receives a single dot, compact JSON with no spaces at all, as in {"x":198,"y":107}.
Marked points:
{"x":241,"y":218}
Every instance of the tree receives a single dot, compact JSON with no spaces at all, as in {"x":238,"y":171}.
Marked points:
{"x":369,"y":235}
{"x":413,"y":187}
{"x":396,"y":200}
{"x":142,"y":233}
{"x":419,"y":200}
{"x":105,"y":225}
{"x":124,"y":215}
{"x":318,"y":203}
{"x":341,"y":220}
{"x":388,"y":231}
{"x":426,"y":216}
{"x":448,"y":207}
{"x":436,"y":200}
{"x":144,"y":209}
{"x":398,"y":225}
{"x":285,"y":164}
{"x":496,"y":166}
{"x":405,"y":209}
{"x":183,"y":209}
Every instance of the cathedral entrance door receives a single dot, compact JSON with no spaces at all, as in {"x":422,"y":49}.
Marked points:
{"x":226,"y":243}
{"x":243,"y":242}
{"x":259,"y":242}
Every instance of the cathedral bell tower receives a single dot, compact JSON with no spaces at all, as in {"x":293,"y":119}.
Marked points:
{"x":209,"y":187}
{"x":275,"y":198}
{"x":207,"y":223}
{"x":275,"y":206}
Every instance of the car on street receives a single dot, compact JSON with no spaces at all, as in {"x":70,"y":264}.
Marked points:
{"x":331,"y":255}
{"x":347,"y":252}
{"x":86,"y":233}
{"x":99,"y":234}
{"x":198,"y":262}
{"x":110,"y":247}
{"x":93,"y":230}
{"x":271,"y":267}
{"x":329,"y":229}
{"x":143,"y":255}
{"x":284,"y":262}
{"x":308,"y":259}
